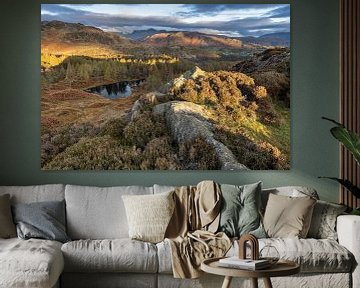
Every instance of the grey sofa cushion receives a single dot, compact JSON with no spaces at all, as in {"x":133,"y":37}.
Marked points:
{"x":43,"y":220}
{"x":163,"y":188}
{"x":108,"y":280}
{"x":313,"y":255}
{"x":98,"y":213}
{"x":36,"y":193}
{"x":117,"y":255}
{"x":30,"y":263}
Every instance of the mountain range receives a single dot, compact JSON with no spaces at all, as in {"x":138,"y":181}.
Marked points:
{"x":76,"y":38}
{"x":271,"y":39}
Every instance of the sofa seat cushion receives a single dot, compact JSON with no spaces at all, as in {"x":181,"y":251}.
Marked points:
{"x":115,"y":255}
{"x":313,"y":255}
{"x":30,"y":263}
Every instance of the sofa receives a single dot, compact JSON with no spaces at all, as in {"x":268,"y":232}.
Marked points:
{"x":100,"y":253}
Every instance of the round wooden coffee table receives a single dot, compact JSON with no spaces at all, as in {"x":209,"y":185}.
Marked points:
{"x":281,"y":268}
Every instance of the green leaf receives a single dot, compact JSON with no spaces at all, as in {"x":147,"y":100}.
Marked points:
{"x":348,"y":138}
{"x":347,"y":184}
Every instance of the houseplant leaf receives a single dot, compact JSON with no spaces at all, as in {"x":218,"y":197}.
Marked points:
{"x":348,"y":138}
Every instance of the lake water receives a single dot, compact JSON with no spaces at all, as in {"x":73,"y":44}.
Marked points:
{"x":114,"y":90}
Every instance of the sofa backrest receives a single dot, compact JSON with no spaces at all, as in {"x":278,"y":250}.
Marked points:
{"x":98,"y":212}
{"x":163,"y":188}
{"x":36,"y":193}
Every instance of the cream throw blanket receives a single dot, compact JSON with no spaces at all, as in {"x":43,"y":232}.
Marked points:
{"x":191,"y":231}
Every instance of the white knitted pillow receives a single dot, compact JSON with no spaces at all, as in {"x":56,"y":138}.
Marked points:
{"x":149,"y":215}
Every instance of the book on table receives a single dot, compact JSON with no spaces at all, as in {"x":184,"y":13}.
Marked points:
{"x":236,"y":262}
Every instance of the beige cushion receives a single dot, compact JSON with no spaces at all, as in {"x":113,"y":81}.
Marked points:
{"x":117,"y":255}
{"x":149,"y":215}
{"x":7,"y":226}
{"x":287,"y":217}
{"x":292,"y":191}
{"x":32,"y":263}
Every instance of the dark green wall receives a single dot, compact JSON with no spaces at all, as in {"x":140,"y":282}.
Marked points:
{"x":314,"y":92}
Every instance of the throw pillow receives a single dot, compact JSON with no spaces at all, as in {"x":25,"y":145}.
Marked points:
{"x":149,"y":215}
{"x":323,"y":222}
{"x":7,"y":227}
{"x":43,"y":220}
{"x":288,"y":217}
{"x":240,"y":213}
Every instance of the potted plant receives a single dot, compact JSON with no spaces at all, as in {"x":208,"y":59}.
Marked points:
{"x":351,"y":141}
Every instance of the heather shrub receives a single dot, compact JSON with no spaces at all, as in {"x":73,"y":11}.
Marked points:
{"x":114,"y":128}
{"x":158,"y":154}
{"x":98,"y":153}
{"x":196,"y":154}
{"x":277,"y":84}
{"x":56,"y":141}
{"x":143,"y":129}
{"x":256,"y":156}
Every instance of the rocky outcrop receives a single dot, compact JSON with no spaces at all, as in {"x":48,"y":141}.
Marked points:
{"x":275,"y":60}
{"x":181,"y":80}
{"x":144,"y":100}
{"x":188,"y":121}
{"x":271,"y":69}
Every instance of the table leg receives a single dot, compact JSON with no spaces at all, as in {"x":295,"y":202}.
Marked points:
{"x":254,"y":282}
{"x":227,"y":282}
{"x":267,"y":283}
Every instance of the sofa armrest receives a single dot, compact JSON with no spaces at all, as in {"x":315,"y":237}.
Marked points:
{"x":348,"y":230}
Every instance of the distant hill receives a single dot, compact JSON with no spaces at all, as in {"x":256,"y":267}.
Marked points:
{"x":192,"y":39}
{"x":141,"y":34}
{"x":274,"y":39}
{"x":76,"y":38}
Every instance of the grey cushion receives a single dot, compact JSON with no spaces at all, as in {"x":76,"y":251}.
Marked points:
{"x":323,"y":222}
{"x":31,"y":263}
{"x":44,"y":220}
{"x":36,"y":193}
{"x":117,"y":255}
{"x":98,"y":213}
{"x":240,"y":213}
{"x":7,"y":227}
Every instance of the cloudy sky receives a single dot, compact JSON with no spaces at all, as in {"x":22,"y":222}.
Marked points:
{"x":223,"y":19}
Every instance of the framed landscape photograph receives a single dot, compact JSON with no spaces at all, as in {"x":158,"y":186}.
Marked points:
{"x":165,"y":86}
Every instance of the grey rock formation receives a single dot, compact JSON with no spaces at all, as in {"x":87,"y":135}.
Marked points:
{"x":178,"y":82}
{"x":149,"y":98}
{"x":188,"y":121}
